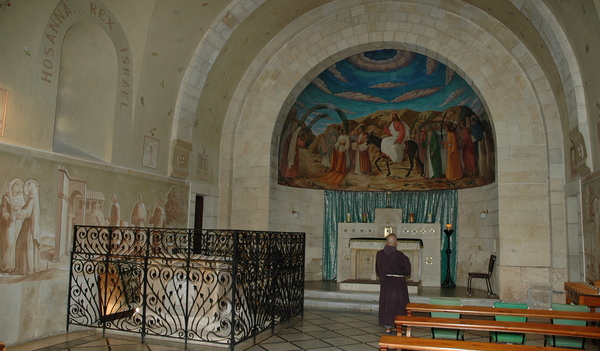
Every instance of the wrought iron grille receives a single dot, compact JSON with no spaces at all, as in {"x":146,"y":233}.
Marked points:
{"x":214,"y":286}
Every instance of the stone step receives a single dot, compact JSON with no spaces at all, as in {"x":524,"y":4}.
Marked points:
{"x":349,"y":300}
{"x":341,"y":295}
{"x":369,"y":301}
{"x":352,"y":305}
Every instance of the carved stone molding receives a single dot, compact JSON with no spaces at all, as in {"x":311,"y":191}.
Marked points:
{"x":181,"y":159}
{"x":578,"y":153}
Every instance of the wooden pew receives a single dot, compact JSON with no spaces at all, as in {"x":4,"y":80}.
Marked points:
{"x":388,"y":342}
{"x":495,"y":311}
{"x":583,"y":294}
{"x":500,"y":326}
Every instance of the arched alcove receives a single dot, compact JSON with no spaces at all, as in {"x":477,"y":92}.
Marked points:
{"x":86,"y":94}
{"x":268,"y":90}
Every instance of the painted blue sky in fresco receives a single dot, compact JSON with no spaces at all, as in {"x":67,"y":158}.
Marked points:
{"x":385,"y":76}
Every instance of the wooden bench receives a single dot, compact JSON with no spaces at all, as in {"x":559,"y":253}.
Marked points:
{"x":388,"y":342}
{"x":500,"y":326}
{"x":497,"y":311}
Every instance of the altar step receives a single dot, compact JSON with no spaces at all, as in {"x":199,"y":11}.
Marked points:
{"x":331,"y":297}
{"x":339,"y":300}
{"x":362,"y":285}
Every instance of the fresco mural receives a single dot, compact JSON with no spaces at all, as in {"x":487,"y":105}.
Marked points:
{"x":387,"y":120}
{"x":42,"y":200}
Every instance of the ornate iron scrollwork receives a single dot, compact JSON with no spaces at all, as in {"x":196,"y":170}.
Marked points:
{"x":211,"y":286}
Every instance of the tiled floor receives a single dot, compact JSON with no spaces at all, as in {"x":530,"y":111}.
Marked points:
{"x":320,"y":329}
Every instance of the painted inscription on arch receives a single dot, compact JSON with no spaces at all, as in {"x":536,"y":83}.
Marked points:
{"x":62,"y":18}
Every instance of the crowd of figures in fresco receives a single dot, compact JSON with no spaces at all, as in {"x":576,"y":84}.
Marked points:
{"x":450,"y":145}
{"x":140,"y":217}
{"x":25,"y":248}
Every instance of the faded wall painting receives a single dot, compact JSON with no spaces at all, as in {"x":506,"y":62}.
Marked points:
{"x":590,"y":245}
{"x":42,"y":200}
{"x":150,"y":157}
{"x":20,"y":237}
{"x":387,"y":120}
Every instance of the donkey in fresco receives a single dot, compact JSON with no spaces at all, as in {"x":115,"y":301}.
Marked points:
{"x":410,"y":148}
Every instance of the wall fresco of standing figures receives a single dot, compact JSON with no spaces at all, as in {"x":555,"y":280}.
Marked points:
{"x":42,"y":200}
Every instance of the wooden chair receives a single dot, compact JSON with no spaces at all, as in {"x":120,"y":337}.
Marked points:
{"x":486,"y":276}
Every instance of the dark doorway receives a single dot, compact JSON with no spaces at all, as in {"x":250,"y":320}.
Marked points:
{"x":198,"y":215}
{"x":199,"y":212}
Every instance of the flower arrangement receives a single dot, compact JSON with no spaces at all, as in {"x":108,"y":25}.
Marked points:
{"x":4,"y":3}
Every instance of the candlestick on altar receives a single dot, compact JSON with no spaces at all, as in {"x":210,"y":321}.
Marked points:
{"x":411,"y":218}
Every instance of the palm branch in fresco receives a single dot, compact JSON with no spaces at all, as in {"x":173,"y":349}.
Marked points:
{"x":311,"y":110}
{"x":316,"y":119}
{"x":339,"y":111}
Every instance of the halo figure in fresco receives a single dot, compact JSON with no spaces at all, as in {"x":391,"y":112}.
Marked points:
{"x":393,"y":145}
{"x":10,"y":223}
{"x":28,"y":245}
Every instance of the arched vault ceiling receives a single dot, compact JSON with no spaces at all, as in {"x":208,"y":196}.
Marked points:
{"x":259,"y":27}
{"x":316,"y":42}
{"x":242,"y":47}
{"x":505,"y":12}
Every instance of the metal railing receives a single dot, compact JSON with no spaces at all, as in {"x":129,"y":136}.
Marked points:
{"x":213,"y":286}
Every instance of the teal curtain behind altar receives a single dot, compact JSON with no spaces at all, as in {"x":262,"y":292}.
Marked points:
{"x":443,"y":205}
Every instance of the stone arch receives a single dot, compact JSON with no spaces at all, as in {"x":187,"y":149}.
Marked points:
{"x":518,"y":100}
{"x":196,"y":73}
{"x":373,"y":41}
{"x":563,"y":57}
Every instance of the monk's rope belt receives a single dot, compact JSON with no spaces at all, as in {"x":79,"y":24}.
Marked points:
{"x":394,"y":275}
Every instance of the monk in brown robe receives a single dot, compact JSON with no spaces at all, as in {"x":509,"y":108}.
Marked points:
{"x":392,"y":268}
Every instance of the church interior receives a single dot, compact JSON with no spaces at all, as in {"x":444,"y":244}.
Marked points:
{"x":280,"y":116}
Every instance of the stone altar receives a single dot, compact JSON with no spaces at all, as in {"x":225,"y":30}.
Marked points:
{"x":364,"y":250}
{"x":421,"y":242}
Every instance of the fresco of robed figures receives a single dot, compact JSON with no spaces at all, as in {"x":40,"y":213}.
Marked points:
{"x":35,"y":242}
{"x":387,"y":120}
